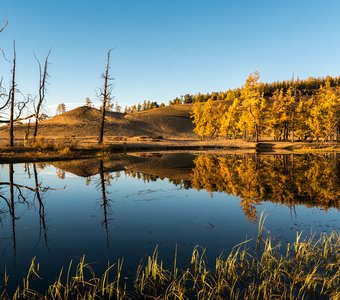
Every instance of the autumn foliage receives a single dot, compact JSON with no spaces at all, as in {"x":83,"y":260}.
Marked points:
{"x":283,"y":179}
{"x":289,"y":113}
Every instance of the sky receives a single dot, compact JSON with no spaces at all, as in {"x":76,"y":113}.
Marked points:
{"x":166,"y":48}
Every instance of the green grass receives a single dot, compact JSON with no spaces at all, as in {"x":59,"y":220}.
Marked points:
{"x":305,"y":269}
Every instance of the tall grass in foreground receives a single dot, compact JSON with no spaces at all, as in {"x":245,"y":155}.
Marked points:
{"x":304,"y":269}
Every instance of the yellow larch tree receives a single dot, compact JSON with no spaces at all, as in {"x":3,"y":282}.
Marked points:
{"x":254,"y":106}
{"x":282,"y":113}
{"x":230,"y":119}
{"x":324,"y":119}
{"x":207,"y":118}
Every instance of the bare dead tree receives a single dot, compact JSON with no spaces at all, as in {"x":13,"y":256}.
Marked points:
{"x":15,"y":109}
{"x":12,"y":98}
{"x":106,"y":96}
{"x":43,"y":75}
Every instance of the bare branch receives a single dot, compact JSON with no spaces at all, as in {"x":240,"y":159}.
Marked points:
{"x":4,"y":55}
{"x":4,"y":26}
{"x":18,"y":186}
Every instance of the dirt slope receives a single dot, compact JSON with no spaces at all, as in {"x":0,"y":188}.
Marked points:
{"x":168,"y":122}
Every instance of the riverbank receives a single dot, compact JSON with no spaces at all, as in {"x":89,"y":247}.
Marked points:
{"x":67,"y":149}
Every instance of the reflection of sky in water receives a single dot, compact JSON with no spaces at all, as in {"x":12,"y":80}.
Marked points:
{"x":142,"y":215}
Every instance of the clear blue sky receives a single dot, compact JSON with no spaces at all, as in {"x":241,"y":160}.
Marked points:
{"x":164,"y":49}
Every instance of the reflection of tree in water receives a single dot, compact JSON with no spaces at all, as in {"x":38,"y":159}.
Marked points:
{"x":88,"y":180}
{"x":145,"y":177}
{"x":13,"y":194}
{"x":60,"y":173}
{"x":39,"y":197}
{"x":142,"y":176}
{"x":104,"y":181}
{"x":285,"y":179}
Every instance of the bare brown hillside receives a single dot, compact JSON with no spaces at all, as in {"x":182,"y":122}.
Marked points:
{"x":167,"y":122}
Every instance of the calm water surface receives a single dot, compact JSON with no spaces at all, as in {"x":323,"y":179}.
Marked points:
{"x":127,"y":205}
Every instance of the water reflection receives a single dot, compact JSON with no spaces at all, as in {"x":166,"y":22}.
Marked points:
{"x":311,"y":180}
{"x":289,"y":179}
{"x":285,"y":179}
{"x":105,"y":180}
{"x":14,"y":194}
{"x":63,"y":196}
{"x":38,"y":195}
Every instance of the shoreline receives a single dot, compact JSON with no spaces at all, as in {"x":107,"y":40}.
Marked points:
{"x":66,"y":152}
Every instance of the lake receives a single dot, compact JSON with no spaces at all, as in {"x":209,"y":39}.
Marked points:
{"x":126,"y":205}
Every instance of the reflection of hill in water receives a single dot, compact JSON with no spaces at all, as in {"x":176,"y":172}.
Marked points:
{"x":176,"y":165}
{"x":311,"y":180}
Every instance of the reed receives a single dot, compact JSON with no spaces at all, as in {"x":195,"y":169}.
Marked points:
{"x":308,"y":268}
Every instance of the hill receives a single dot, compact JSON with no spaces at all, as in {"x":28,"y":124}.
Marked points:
{"x":167,"y":122}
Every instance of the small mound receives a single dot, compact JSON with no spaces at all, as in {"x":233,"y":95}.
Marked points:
{"x":84,"y":114}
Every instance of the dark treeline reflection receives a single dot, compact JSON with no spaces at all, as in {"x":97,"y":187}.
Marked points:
{"x":182,"y":183}
{"x":311,"y":180}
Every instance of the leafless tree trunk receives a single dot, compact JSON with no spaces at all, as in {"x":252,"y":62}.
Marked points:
{"x":43,"y":75}
{"x":106,"y":97}
{"x":12,"y":98}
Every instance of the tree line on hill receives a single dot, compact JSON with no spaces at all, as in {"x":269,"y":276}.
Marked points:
{"x":291,"y":109}
{"x":305,"y":87}
{"x":288,"y":110}
{"x":146,"y":105}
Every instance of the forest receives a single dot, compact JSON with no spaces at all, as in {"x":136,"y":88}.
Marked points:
{"x":286,"y":111}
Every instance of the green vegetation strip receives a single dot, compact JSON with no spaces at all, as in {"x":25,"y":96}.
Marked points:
{"x":308,"y":269}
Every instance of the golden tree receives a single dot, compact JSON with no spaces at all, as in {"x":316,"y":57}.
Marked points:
{"x":230,"y":120}
{"x":282,"y":113}
{"x":207,"y":118}
{"x":254,"y":106}
{"x":324,"y":119}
